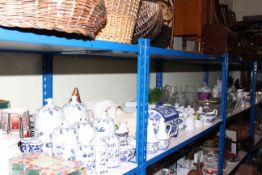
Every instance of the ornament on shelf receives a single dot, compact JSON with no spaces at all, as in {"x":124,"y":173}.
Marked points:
{"x":76,"y":93}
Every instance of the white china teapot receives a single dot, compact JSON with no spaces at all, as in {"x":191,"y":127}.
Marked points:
{"x":74,"y":111}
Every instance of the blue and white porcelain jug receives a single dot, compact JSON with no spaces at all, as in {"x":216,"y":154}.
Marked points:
{"x":152,"y":142}
{"x":101,"y":155}
{"x":113,"y":148}
{"x":86,"y":154}
{"x":163,"y":135}
{"x":48,"y":118}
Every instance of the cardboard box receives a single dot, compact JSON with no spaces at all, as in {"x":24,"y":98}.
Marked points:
{"x":40,"y":164}
{"x":245,"y":169}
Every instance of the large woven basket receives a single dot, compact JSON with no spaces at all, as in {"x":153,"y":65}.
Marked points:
{"x":71,"y":16}
{"x":149,"y":21}
{"x":121,"y":20}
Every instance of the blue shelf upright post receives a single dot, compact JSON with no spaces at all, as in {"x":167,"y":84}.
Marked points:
{"x":253,"y":99}
{"x":252,"y":106}
{"x":223,"y":114}
{"x":206,"y":75}
{"x":47,"y":77}
{"x":159,"y":74}
{"x":143,"y":73}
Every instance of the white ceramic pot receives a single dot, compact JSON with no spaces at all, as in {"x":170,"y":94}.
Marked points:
{"x":47,"y":119}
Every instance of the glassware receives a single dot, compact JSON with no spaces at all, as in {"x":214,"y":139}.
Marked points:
{"x":181,"y":96}
{"x":204,"y":93}
{"x":190,"y":95}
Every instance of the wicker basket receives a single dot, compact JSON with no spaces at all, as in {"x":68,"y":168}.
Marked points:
{"x":71,"y":16}
{"x":149,"y":21}
{"x":121,"y":20}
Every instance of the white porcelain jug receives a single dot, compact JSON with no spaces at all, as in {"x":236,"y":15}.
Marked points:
{"x":163,"y":135}
{"x":152,"y":141}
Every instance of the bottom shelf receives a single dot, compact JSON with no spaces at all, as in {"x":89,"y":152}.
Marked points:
{"x":231,"y":166}
{"x":257,"y":138}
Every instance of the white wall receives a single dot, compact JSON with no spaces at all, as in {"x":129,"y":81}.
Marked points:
{"x":247,"y":8}
{"x":97,"y":79}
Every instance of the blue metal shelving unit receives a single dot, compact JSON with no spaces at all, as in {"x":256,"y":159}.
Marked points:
{"x":47,"y":78}
{"x":223,"y":114}
{"x":15,"y":41}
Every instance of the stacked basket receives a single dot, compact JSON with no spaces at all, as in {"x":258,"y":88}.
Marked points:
{"x":121,"y":20}
{"x":71,"y":16}
{"x":149,"y":22}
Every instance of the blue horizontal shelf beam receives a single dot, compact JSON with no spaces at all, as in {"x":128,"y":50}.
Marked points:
{"x":21,"y":51}
{"x":241,"y":63}
{"x":131,"y":172}
{"x":183,"y":54}
{"x":183,"y":144}
{"x":17,"y":36}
